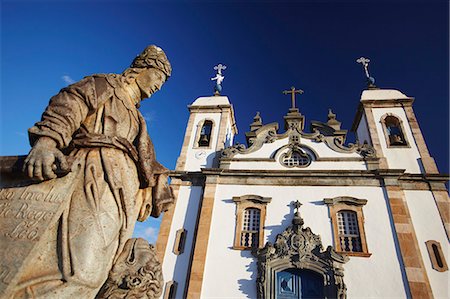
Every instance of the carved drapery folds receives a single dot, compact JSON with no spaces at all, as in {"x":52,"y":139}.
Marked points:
{"x":299,"y":248}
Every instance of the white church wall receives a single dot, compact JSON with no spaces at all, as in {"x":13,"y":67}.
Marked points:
{"x":403,"y":157}
{"x":362,"y":132}
{"x":185,"y":215}
{"x":202,"y":157}
{"x":315,"y":165}
{"x":232,"y":273}
{"x":428,"y":226}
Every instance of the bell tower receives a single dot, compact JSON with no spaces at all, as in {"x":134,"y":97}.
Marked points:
{"x":211,"y":128}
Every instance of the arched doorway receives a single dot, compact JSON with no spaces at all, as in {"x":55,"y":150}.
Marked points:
{"x":298,"y":283}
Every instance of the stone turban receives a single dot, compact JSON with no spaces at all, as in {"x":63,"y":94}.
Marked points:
{"x":153,"y":57}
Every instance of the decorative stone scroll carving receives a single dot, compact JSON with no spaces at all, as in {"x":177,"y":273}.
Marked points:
{"x":265,"y":134}
{"x":298,"y":247}
{"x":137,"y":273}
{"x":329,"y":133}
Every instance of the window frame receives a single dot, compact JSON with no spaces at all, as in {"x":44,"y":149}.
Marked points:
{"x":434,"y":262}
{"x":386,"y":133}
{"x":248,"y":202}
{"x":346,"y":203}
{"x":170,"y":285}
{"x":180,"y":241}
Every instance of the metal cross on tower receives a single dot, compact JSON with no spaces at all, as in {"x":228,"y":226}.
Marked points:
{"x":293,"y":92}
{"x":365,"y":62}
{"x":219,"y":68}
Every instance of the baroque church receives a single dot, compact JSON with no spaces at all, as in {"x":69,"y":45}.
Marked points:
{"x":306,"y":215}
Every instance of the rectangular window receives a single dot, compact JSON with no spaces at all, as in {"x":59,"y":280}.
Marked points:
{"x":250,"y":228}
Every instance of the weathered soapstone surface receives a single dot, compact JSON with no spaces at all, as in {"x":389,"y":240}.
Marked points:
{"x":91,"y":173}
{"x":137,"y":273}
{"x":27,"y":209}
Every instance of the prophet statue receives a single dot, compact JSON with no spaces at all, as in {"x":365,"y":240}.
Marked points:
{"x":96,"y":124}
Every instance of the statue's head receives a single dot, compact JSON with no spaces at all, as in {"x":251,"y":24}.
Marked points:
{"x":149,"y":70}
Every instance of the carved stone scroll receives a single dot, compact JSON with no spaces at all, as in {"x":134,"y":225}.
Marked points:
{"x":26,"y":214}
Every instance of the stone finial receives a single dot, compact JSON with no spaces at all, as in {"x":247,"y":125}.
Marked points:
{"x":297,"y":220}
{"x":257,"y":122}
{"x":332,"y":121}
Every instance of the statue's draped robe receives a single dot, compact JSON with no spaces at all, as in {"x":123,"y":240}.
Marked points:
{"x":117,"y":180}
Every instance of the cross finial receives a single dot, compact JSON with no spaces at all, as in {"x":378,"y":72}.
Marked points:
{"x":365,"y":63}
{"x":293,"y":92}
{"x":297,"y":205}
{"x":219,"y":78}
{"x":219,"y":68}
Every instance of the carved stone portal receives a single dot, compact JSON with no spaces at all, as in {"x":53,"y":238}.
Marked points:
{"x":298,"y":248}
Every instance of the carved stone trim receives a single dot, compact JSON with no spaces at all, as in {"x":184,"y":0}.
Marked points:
{"x":268,"y":134}
{"x":297,"y":247}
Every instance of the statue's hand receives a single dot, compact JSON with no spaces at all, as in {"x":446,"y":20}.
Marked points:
{"x":43,"y":160}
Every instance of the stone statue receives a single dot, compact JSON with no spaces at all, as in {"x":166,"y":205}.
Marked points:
{"x":96,"y":124}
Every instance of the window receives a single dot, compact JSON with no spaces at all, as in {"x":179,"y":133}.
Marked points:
{"x":348,"y":231}
{"x":170,"y":291}
{"x":295,"y":158}
{"x":437,"y":256}
{"x":250,"y":216}
{"x":393,"y":131}
{"x":205,"y":134}
{"x":180,"y":240}
{"x":348,"y":225}
{"x":250,"y":228}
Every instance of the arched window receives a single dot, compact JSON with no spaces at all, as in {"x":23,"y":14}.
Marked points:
{"x":205,"y":134}
{"x":250,"y":228}
{"x":349,"y":237}
{"x":393,"y":130}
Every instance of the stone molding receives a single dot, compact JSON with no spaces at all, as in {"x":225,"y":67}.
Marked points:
{"x":298,"y":247}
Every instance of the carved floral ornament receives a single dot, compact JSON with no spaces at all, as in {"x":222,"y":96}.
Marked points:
{"x":298,"y":247}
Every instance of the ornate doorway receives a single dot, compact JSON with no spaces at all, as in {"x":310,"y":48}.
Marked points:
{"x":298,"y":283}
{"x":296,"y":266}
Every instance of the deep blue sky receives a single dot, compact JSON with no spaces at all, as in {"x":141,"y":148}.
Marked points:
{"x":267,"y":46}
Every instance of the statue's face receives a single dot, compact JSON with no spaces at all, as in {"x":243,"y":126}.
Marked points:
{"x":150,"y":81}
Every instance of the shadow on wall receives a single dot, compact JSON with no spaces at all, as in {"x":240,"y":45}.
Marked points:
{"x":248,"y":286}
{"x":274,"y":230}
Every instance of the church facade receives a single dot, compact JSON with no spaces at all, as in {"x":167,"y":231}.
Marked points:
{"x":307,"y":215}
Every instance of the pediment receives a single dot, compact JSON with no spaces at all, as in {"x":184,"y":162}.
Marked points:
{"x":267,"y":145}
